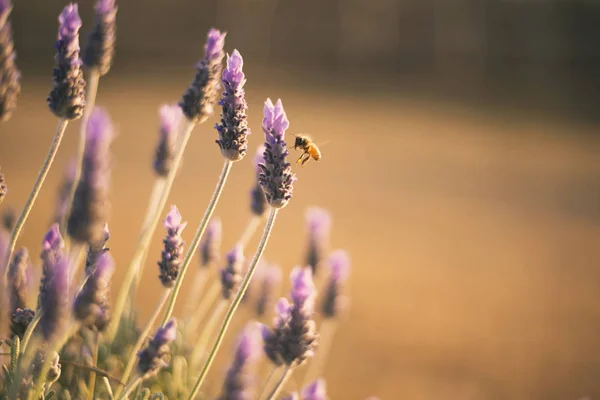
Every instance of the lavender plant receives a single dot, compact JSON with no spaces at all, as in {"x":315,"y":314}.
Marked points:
{"x":69,"y":346}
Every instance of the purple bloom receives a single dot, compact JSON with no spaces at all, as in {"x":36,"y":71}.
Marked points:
{"x":152,"y":358}
{"x":53,"y":295}
{"x":100,"y":49}
{"x":294,"y":336}
{"x":269,"y":278}
{"x":170,"y":120}
{"x":318,"y":225}
{"x":198,"y":101}
{"x":20,"y":320}
{"x":231,"y":275}
{"x":91,"y":304}
{"x":64,"y":191}
{"x":95,"y":251}
{"x":315,"y":391}
{"x":17,"y":279}
{"x":258,"y":202}
{"x":67,"y":98}
{"x":276,"y":176}
{"x":10,"y":86}
{"x":210,"y":246}
{"x":89,"y":211}
{"x":239,"y":382}
{"x":3,"y":188}
{"x":233,"y":129}
{"x":333,"y":302}
{"x":172,"y":255}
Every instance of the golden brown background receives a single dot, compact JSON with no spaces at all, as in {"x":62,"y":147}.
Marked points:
{"x":461,"y":168}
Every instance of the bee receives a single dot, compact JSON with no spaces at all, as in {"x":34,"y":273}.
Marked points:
{"x":310,"y":149}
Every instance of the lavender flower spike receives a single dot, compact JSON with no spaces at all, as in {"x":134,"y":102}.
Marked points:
{"x":210,"y":246}
{"x":231,"y":275}
{"x":17,"y":279}
{"x":91,"y":304}
{"x":3,"y":188}
{"x":152,"y":358}
{"x":170,"y":120}
{"x":20,"y":320}
{"x":233,"y":129}
{"x":294,"y":337}
{"x":315,"y":391}
{"x":198,"y":101}
{"x":10,"y":77}
{"x":67,"y":98}
{"x":89,"y":211}
{"x":239,"y":383}
{"x":318,"y":225}
{"x":53,"y":295}
{"x":100,"y":49}
{"x":276,"y":176}
{"x":172,"y":255}
{"x":334,"y":302}
{"x":95,"y":251}
{"x":258,"y":202}
{"x":271,"y":278}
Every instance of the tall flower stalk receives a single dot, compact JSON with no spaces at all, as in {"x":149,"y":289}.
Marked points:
{"x":97,"y":57}
{"x":276,"y":179}
{"x":197,"y":106}
{"x":10,"y":77}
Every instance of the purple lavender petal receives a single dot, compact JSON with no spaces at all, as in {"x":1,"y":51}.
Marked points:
{"x":233,"y":129}
{"x":152,"y":358}
{"x":231,"y":275}
{"x":210,"y":247}
{"x":100,"y":49}
{"x":67,"y":98}
{"x":89,"y":211}
{"x":198,"y":101}
{"x":170,"y":121}
{"x":315,"y":391}
{"x":10,"y":77}
{"x":53,"y":297}
{"x":276,"y":176}
{"x":318,"y":226}
{"x":333,"y":301}
{"x":172,"y":255}
{"x":17,"y":280}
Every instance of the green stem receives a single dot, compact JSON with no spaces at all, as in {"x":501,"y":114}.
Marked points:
{"x":236,"y":302}
{"x":140,"y":342}
{"x":203,"y":307}
{"x":92,"y":377}
{"x":92,"y":89}
{"x":196,"y":292}
{"x":130,"y":388}
{"x":287,"y":372}
{"x":147,"y":232}
{"x":29,"y":331}
{"x":197,"y":237}
{"x":60,"y":131}
{"x":268,"y":381}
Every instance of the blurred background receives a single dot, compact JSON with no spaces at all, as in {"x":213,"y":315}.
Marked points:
{"x":460,"y":164}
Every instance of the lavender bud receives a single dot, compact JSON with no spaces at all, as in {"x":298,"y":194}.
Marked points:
{"x":10,"y":77}
{"x":95,"y":251}
{"x":270,"y":278}
{"x":210,"y":247}
{"x":67,"y":98}
{"x":91,"y":306}
{"x":100,"y":49}
{"x":276,"y":176}
{"x":8,"y":219}
{"x":20,"y":320}
{"x":294,"y":336}
{"x":90,"y":205}
{"x":315,"y":391}
{"x":231,"y":275}
{"x":64,"y":193}
{"x":198,"y":100}
{"x":258,"y":202}
{"x":333,"y":302}
{"x":318,"y":225}
{"x":53,"y":294}
{"x":239,"y":382}
{"x":152,"y":358}
{"x":170,"y":120}
{"x":172,"y":255}
{"x":3,"y":188}
{"x":233,"y":129}
{"x":17,"y":279}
